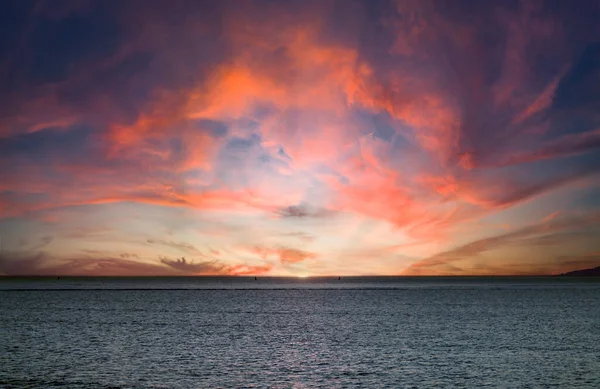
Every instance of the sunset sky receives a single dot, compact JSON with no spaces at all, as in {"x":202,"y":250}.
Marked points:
{"x":299,"y":137}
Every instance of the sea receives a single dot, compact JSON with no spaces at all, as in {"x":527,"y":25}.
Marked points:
{"x":352,"y":332}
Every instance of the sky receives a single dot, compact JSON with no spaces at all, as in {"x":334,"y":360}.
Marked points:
{"x":299,"y":138}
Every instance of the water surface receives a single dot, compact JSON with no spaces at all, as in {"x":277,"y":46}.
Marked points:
{"x":292,"y":333}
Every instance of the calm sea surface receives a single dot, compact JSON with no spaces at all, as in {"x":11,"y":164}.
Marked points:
{"x":285,"y":333}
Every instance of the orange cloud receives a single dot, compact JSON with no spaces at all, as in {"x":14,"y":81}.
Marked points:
{"x":286,"y":255}
{"x":450,"y":262}
{"x":245,"y":270}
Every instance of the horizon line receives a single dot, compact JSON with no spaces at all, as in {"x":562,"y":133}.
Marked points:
{"x":289,"y":276}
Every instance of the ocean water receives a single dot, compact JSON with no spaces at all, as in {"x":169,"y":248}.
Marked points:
{"x":312,"y":333}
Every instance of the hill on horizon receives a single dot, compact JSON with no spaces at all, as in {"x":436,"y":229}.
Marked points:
{"x":591,"y":272}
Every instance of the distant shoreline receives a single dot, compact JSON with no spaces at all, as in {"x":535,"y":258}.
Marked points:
{"x":592,"y":272}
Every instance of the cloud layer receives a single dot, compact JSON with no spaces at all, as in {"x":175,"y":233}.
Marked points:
{"x":297,"y":137}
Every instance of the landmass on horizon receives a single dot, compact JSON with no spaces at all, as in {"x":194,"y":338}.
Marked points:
{"x":592,"y":272}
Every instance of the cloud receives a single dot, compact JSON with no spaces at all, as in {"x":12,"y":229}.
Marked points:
{"x":44,"y":241}
{"x":245,"y":270}
{"x":45,"y":264}
{"x":204,"y":267}
{"x":181,"y":246}
{"x":96,"y":264}
{"x":563,"y":146}
{"x":303,"y":236}
{"x":214,"y":267}
{"x":547,"y":232}
{"x":129,"y":255}
{"x":303,"y":211}
{"x":526,"y":192}
{"x":286,"y":255}
{"x":577,"y":262}
{"x":418,"y":116}
{"x":542,"y":102}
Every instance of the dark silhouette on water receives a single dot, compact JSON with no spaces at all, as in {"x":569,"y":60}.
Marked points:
{"x":593,"y":272}
{"x":255,"y":278}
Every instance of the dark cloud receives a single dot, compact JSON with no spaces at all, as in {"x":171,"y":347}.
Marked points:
{"x":527,"y":191}
{"x":215,"y":128}
{"x":564,"y":146}
{"x":44,"y":264}
{"x":202,"y":267}
{"x":181,"y":246}
{"x":129,"y":255}
{"x":213,"y":267}
{"x":71,"y":145}
{"x":44,"y":241}
{"x":303,"y":211}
